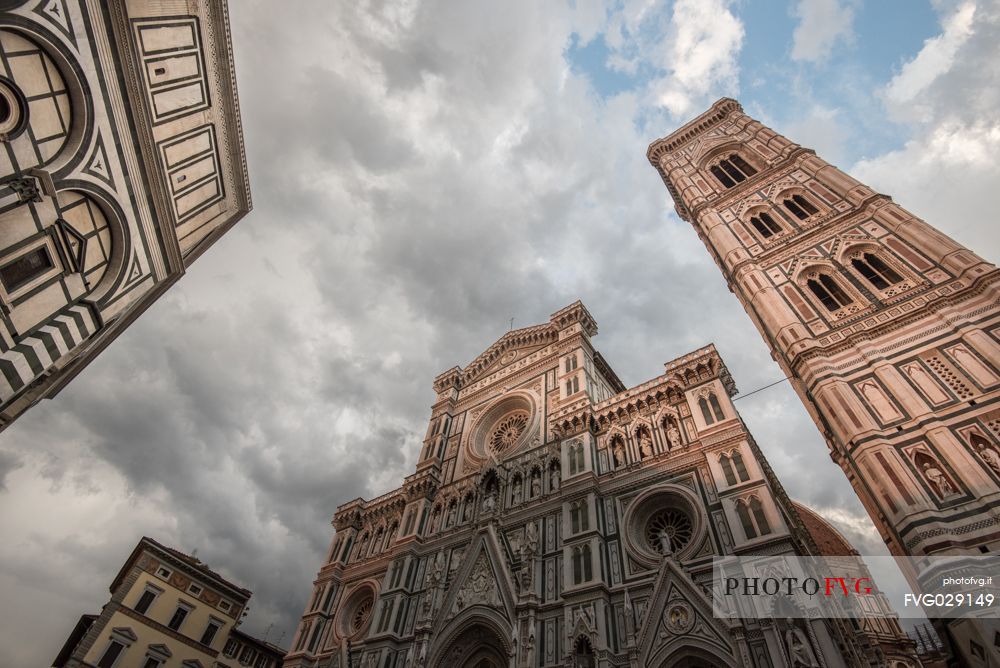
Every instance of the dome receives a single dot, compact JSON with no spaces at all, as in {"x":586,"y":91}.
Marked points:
{"x":831,"y":542}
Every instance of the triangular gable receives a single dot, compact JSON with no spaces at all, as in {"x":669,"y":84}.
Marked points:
{"x":522,"y":342}
{"x":679,"y":613}
{"x":481,"y":580}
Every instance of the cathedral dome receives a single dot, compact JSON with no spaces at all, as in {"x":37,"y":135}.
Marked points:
{"x":831,"y":542}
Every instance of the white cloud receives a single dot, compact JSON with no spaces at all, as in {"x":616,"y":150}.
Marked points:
{"x":822,"y":23}
{"x":935,"y":59}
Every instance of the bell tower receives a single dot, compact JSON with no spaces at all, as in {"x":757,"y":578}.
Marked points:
{"x":887,"y":329}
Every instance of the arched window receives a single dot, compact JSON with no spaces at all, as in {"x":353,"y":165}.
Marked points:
{"x":574,"y":517}
{"x":757,"y":508}
{"x":727,"y":470}
{"x":741,"y":468}
{"x":744,"y":514}
{"x":583,"y":653}
{"x":828,"y":292}
{"x":578,"y":455}
{"x":584,"y":516}
{"x":588,"y":573}
{"x":875,"y":271}
{"x":716,"y":408}
{"x":732,"y":170}
{"x":577,"y":565}
{"x":765,"y":224}
{"x":800,"y":207}
{"x":704,"y":411}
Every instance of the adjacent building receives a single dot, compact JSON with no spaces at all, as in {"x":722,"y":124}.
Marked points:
{"x":532,"y":532}
{"x":888,"y":329}
{"x":121,"y":161}
{"x":167,"y":609}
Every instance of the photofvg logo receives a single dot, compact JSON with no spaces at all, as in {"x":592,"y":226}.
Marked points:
{"x":854,"y":587}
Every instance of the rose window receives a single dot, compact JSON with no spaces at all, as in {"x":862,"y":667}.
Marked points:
{"x":669,"y":527}
{"x":362,"y":612}
{"x":508,"y":431}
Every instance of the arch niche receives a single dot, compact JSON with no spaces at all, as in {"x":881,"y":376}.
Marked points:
{"x":694,"y":655}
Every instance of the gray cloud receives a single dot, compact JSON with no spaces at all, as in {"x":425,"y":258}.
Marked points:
{"x":421,"y":174}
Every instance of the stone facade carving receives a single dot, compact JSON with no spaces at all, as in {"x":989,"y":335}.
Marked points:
{"x":538,"y":587}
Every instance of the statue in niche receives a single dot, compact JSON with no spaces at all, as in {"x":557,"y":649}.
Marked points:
{"x":437,"y":575}
{"x":938,"y":480}
{"x":645,"y":445}
{"x":436,"y":520}
{"x":553,"y":478}
{"x":529,"y":649}
{"x":489,"y":501}
{"x":530,"y":547}
{"x":618,"y":451}
{"x":536,"y":483}
{"x":673,"y":435}
{"x":516,"y":496}
{"x":467,"y":509}
{"x":452,"y":514}
{"x":988,"y":455}
{"x":800,"y":652}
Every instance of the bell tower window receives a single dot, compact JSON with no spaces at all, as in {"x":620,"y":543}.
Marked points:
{"x":732,"y":170}
{"x":765,"y":225}
{"x":875,"y":271}
{"x":800,"y":207}
{"x":828,"y":292}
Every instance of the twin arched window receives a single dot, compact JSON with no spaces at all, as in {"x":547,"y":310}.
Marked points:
{"x":828,"y":292}
{"x":799,"y":206}
{"x":582,"y":568}
{"x":875,"y":271}
{"x":579,"y":516}
{"x":732,"y":170}
{"x":576,"y":463}
{"x":733,"y":468}
{"x":752,"y":517}
{"x":711,"y":410}
{"x":765,"y":225}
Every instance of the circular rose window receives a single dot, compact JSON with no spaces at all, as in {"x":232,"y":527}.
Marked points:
{"x":508,"y":431}
{"x":361,"y":614}
{"x":669,"y":531}
{"x":356,"y":613}
{"x":664,"y":520}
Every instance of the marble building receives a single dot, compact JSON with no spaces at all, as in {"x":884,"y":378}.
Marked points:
{"x":888,"y":329}
{"x":558,"y":518}
{"x":121,"y":161}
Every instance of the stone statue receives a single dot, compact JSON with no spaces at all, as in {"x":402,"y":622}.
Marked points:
{"x":467,"y":509}
{"x":489,"y":502}
{"x":673,"y":436}
{"x":530,"y":540}
{"x":452,"y":514}
{"x":536,"y":483}
{"x":800,"y":653}
{"x":437,"y":575}
{"x":554,"y":478}
{"x":646,"y":445}
{"x":666,"y":545}
{"x":436,"y":520}
{"x":938,"y":480}
{"x":618,"y":450}
{"x":516,"y":497}
{"x":990,"y":456}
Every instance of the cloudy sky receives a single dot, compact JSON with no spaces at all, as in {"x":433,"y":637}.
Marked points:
{"x":422,"y":172}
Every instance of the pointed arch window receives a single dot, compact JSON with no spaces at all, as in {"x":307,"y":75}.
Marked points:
{"x":705,"y":413}
{"x":578,"y":450}
{"x":765,"y":224}
{"x":744,"y":514}
{"x":577,"y":565}
{"x":587,"y":567}
{"x":574,"y":517}
{"x":875,"y":271}
{"x":831,"y":295}
{"x":800,"y":207}
{"x":727,"y":470}
{"x":757,"y":508}
{"x":716,"y":408}
{"x":741,"y":469}
{"x":732,"y":170}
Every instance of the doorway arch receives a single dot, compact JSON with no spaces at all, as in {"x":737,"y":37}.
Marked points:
{"x":476,"y":644}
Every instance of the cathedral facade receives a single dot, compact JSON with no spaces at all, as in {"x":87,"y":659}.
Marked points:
{"x":121,"y":161}
{"x":558,"y":518}
{"x":888,"y":329}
